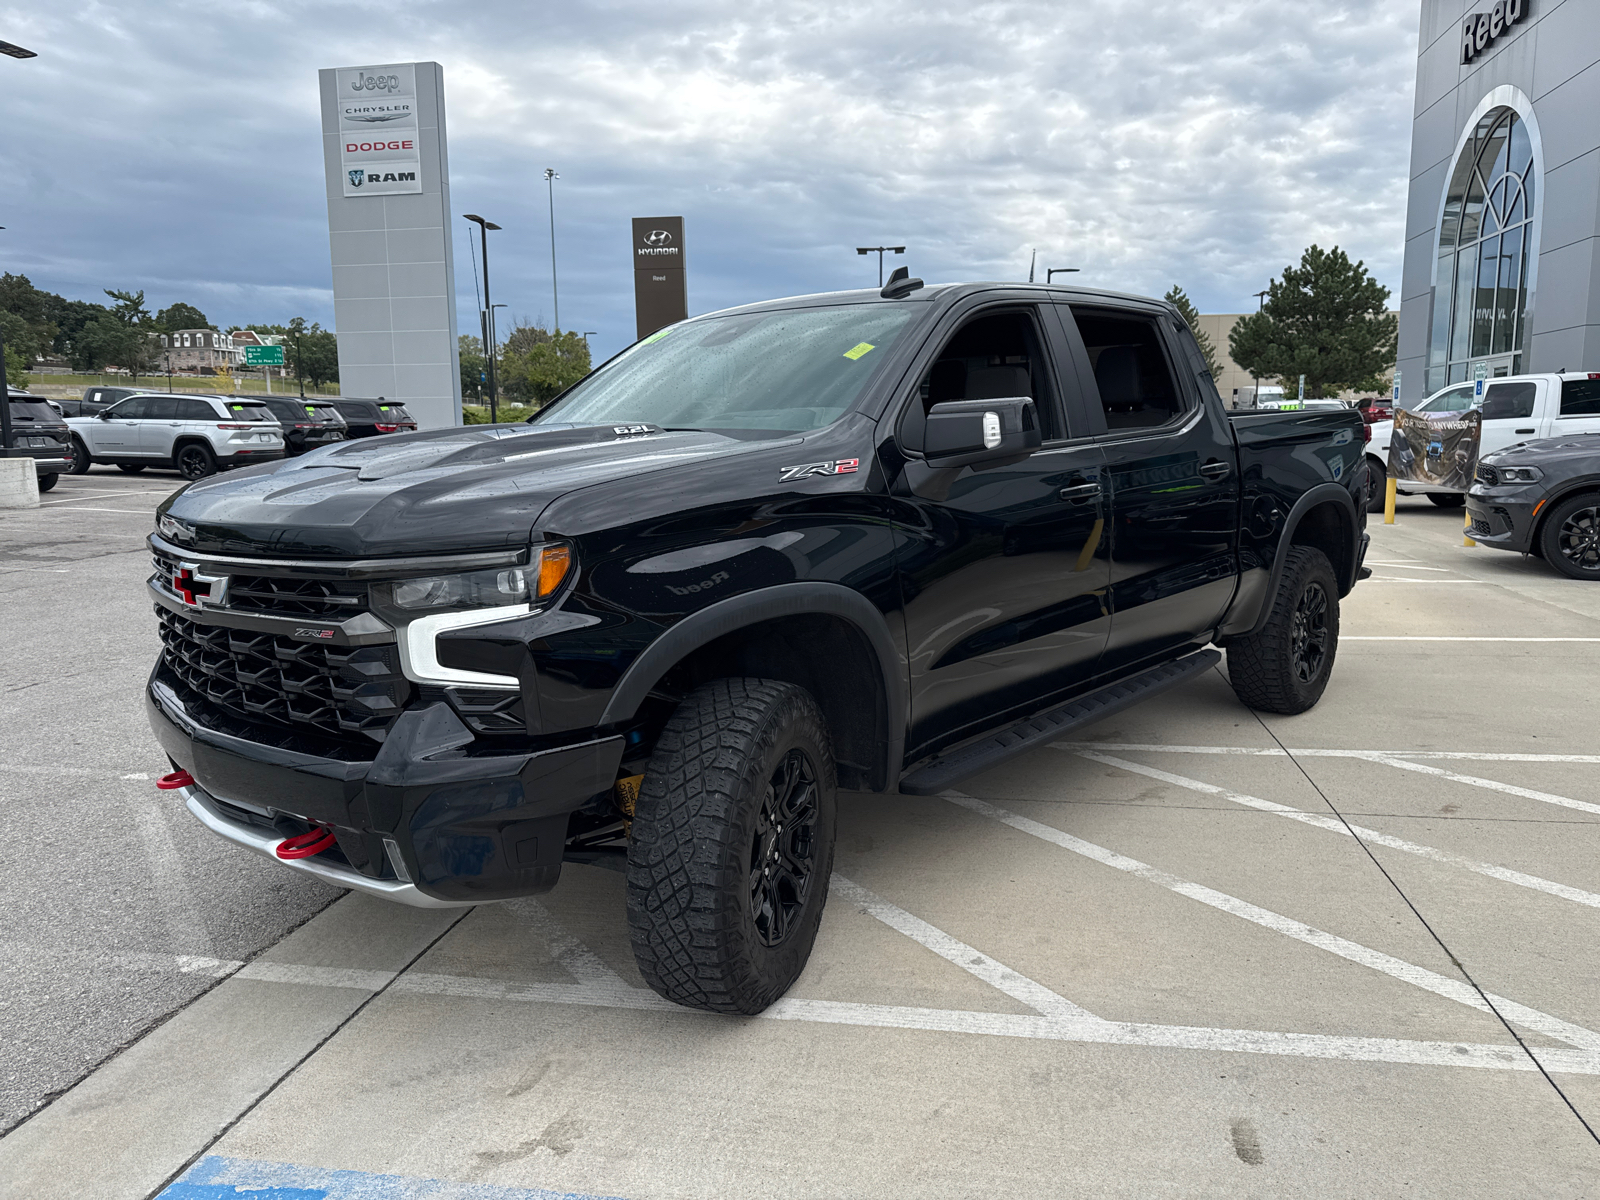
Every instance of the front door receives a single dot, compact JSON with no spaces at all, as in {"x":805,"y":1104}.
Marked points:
{"x":117,"y":434}
{"x":1003,"y":570}
{"x":1173,"y":473}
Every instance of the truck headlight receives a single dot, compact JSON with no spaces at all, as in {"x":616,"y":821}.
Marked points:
{"x":489,"y":589}
{"x":1520,"y":474}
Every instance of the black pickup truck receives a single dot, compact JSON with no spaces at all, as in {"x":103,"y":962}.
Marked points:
{"x":875,"y":541}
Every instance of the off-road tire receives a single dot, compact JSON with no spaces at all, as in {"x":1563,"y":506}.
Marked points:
{"x":1569,"y":539}
{"x":1377,"y":486}
{"x":1269,"y":670}
{"x":1448,"y":499}
{"x":130,"y":468}
{"x":81,"y":462}
{"x":700,"y":835}
{"x":46,"y":482}
{"x":195,"y":460}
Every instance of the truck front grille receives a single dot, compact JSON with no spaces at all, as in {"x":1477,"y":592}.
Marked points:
{"x":339,"y":690}
{"x":333,"y":598}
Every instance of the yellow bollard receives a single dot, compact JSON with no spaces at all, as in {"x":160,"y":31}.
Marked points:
{"x":1466,"y":538}
{"x":1388,"y":500}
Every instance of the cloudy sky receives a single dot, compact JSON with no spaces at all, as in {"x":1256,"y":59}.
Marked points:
{"x":175,"y":147}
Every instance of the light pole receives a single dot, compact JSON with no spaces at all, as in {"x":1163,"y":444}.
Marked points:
{"x":168,"y":358}
{"x":1255,"y":397}
{"x":1050,"y":275}
{"x":14,"y":51}
{"x":880,"y":251}
{"x":550,"y":178}
{"x":483,"y":233}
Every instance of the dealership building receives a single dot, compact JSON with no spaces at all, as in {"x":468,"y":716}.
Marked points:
{"x":1502,"y":256}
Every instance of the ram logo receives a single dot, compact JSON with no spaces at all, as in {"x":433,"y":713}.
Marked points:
{"x":838,"y":466}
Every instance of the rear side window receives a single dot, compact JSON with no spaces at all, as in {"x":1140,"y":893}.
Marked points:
{"x":356,"y":411}
{"x":1508,"y":400}
{"x":164,"y":409}
{"x":195,"y":410}
{"x":1137,"y":389}
{"x":248,"y":411}
{"x":1580,"y":397}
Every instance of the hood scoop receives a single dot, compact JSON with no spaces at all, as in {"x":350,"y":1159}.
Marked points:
{"x":473,"y":448}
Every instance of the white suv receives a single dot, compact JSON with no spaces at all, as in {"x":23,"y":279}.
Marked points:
{"x":195,"y":434}
{"x":1516,"y":408}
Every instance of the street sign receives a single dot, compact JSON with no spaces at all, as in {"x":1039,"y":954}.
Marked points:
{"x":263,"y":356}
{"x":1397,"y":387}
{"x":1480,"y":377}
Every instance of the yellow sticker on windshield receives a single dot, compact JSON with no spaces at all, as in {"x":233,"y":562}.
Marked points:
{"x":859,"y":349}
{"x":656,"y":336}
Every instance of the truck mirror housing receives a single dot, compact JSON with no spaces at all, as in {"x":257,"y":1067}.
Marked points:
{"x":962,"y":433}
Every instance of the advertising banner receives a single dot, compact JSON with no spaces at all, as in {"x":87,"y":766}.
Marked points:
{"x":1437,"y":448}
{"x":378,"y":146}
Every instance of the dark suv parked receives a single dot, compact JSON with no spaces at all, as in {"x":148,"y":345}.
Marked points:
{"x":869,"y":540}
{"x":38,"y":432}
{"x":370,"y":418}
{"x":307,"y":424}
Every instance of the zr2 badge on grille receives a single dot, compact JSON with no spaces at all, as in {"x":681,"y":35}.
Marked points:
{"x":322,"y":634}
{"x":839,"y":466}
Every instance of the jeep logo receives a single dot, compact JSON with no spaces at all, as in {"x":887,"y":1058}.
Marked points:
{"x":376,"y":83}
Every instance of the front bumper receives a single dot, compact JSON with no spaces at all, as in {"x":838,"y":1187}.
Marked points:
{"x":426,"y":812}
{"x":1503,"y":518}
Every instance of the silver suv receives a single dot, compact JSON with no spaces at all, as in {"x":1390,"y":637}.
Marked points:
{"x":195,"y":434}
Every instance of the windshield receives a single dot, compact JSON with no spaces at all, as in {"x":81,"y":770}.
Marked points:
{"x":1455,"y":400}
{"x":789,"y":371}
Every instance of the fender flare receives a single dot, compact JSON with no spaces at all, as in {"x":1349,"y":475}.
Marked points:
{"x":739,"y":612}
{"x":1322,"y":493}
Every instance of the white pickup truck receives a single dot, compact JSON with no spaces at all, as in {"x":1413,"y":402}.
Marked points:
{"x":1518,"y":408}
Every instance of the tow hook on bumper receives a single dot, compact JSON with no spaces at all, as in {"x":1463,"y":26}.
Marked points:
{"x":268,"y":846}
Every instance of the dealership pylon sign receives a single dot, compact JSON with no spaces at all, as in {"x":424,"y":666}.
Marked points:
{"x":379,"y":152}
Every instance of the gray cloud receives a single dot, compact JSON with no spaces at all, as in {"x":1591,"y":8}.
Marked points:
{"x":175,"y":147}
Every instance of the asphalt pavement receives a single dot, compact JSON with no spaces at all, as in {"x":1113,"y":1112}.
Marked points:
{"x":1187,"y":952}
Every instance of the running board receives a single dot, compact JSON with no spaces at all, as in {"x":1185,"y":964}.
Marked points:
{"x":944,"y":772}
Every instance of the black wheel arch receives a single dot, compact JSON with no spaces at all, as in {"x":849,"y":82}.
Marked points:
{"x":1567,"y":490}
{"x":824,"y":637}
{"x":1324,"y":517}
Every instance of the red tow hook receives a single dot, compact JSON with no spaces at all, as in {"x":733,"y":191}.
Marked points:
{"x":174,"y":781}
{"x":306,"y":845}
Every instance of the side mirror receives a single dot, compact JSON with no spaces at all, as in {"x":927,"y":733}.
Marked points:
{"x":963,"y":433}
{"x":103,"y":415}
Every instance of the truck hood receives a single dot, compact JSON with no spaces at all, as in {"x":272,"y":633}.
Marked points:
{"x":439,"y":491}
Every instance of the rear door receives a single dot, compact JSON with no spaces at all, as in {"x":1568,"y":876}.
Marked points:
{"x":1508,"y":414}
{"x":1172,"y":466}
{"x":1004,"y":569}
{"x":159,"y":427}
{"x":1579,"y":406}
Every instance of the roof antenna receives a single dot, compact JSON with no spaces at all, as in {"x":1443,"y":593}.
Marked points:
{"x":900,"y":285}
{"x":1031,"y":262}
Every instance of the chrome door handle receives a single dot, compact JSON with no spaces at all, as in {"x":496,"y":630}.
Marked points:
{"x":1215,"y":470}
{"x":1080,"y":492}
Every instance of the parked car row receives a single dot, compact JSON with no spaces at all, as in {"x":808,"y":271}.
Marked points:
{"x":201,"y":434}
{"x":38,"y":429}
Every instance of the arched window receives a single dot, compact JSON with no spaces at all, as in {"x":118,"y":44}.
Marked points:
{"x":1486,"y":238}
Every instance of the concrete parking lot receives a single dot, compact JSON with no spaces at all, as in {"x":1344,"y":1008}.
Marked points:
{"x":1188,"y":953}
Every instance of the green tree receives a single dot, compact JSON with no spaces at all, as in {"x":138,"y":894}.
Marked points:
{"x":311,"y":351}
{"x":32,"y":332}
{"x":1191,"y":316}
{"x":129,"y":307}
{"x":108,"y":341}
{"x":181,"y":316}
{"x":1326,"y":320}
{"x":474,"y":366}
{"x":536,"y":365}
{"x":18,"y":342}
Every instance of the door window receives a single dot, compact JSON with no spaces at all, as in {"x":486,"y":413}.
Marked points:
{"x":995,"y":356}
{"x":131,"y":410}
{"x":195,"y":410}
{"x":1136,"y":384}
{"x":1458,"y":399}
{"x":163,"y":409}
{"x":1509,"y":400}
{"x":1580,"y":397}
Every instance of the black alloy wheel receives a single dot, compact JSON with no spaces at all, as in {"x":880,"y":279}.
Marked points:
{"x":195,"y":461}
{"x":1308,"y":633}
{"x":81,"y":461}
{"x":783,"y":850}
{"x":1285,"y":665}
{"x":1570,"y":538}
{"x":731,"y":846}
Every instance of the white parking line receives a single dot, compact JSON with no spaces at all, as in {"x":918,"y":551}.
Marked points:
{"x":1468,"y":639}
{"x":1510,"y":789}
{"x":1334,"y":825}
{"x":1274,"y":752}
{"x":1420,"y":977}
{"x":99,"y":496}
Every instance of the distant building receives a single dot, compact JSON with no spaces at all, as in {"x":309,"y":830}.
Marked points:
{"x":196,"y":349}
